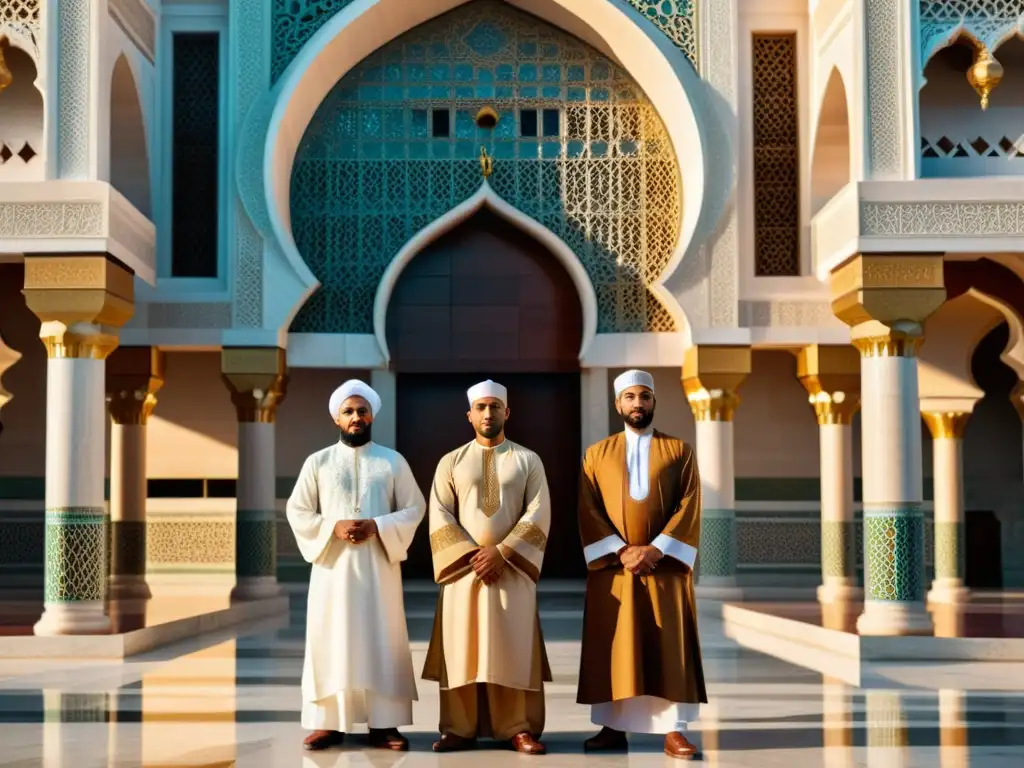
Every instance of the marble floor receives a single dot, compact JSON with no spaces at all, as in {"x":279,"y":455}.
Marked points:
{"x":233,"y":700}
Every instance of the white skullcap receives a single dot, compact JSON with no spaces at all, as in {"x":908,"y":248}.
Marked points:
{"x":354,"y":388}
{"x":633,"y":378}
{"x":487,"y":389}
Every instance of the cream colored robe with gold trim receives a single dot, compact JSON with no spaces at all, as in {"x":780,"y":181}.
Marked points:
{"x":488,"y":634}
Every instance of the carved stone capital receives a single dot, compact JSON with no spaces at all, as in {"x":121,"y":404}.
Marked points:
{"x":946,"y":425}
{"x":887,"y":289}
{"x":80,"y":302}
{"x":902,"y":339}
{"x":134,"y":376}
{"x":257,"y":378}
{"x":712,"y":376}
{"x":831,"y":376}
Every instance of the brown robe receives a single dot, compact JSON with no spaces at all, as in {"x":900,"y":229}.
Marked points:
{"x":640,"y":632}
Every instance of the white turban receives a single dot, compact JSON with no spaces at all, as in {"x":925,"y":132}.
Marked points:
{"x":487,"y":389}
{"x":633,"y":378}
{"x":354,"y":388}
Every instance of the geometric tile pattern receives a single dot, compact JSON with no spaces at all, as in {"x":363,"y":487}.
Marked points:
{"x":76,"y":554}
{"x":128,"y":547}
{"x":838,"y":553}
{"x":718,"y":542}
{"x":894,"y":553}
{"x":949,"y":551}
{"x":256,"y":543}
{"x":193,"y":542}
{"x":677,"y":19}
{"x":775,"y":541}
{"x":370,"y":172}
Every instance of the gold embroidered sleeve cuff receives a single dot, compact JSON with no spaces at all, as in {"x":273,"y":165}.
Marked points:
{"x":451,"y":549}
{"x":524,"y":548}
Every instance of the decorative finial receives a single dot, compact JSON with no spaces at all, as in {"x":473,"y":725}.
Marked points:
{"x":985,"y":74}
{"x":486,"y":163}
{"x":6,"y":77}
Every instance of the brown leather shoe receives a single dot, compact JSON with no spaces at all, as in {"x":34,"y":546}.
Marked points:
{"x":678,"y":747}
{"x":525,"y":743}
{"x":450,"y":742}
{"x":323,"y":740}
{"x":608,"y":740}
{"x":388,"y":738}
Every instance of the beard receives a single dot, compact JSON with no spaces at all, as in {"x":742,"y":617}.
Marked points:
{"x":638,"y":420}
{"x":490,"y":432}
{"x":356,"y":439}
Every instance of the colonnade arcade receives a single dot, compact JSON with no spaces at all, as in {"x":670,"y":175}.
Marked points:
{"x":82,"y":301}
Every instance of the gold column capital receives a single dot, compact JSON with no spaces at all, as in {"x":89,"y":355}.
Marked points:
{"x":946,"y":425}
{"x":888,"y":289}
{"x":257,"y":378}
{"x":134,"y":376}
{"x":80,"y":301}
{"x":831,"y":375}
{"x":712,"y":376}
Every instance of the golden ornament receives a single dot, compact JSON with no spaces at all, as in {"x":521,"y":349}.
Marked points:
{"x":984,"y":75}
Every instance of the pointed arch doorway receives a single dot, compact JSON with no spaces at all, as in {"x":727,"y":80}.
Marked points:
{"x":487,"y":300}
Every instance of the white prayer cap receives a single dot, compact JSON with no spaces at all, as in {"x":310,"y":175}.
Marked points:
{"x":633,"y":378}
{"x":487,"y":389}
{"x":354,"y":388}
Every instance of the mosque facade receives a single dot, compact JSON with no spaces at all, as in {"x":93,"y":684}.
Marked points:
{"x":804,"y":217}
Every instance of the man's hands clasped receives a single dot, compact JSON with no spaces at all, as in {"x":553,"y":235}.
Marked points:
{"x":488,"y":564}
{"x":640,"y":560}
{"x":355,"y":531}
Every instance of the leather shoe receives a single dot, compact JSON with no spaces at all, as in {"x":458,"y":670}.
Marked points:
{"x":678,"y":747}
{"x":608,"y":740}
{"x":323,"y":740}
{"x":525,"y":743}
{"x":388,"y":738}
{"x":450,"y":742}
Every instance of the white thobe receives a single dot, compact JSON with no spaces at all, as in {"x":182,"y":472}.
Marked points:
{"x":642,"y":714}
{"x":358,"y":664}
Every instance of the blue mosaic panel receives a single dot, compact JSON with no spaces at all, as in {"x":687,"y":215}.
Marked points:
{"x":369,"y":172}
{"x":296,"y":21}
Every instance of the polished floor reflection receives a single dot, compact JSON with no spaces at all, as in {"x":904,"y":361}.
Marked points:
{"x":233,"y":700}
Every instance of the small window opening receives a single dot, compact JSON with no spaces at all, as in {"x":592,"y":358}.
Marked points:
{"x":441,"y":123}
{"x":552,"y":122}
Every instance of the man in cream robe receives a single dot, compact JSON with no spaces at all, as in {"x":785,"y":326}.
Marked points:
{"x":489,"y":521}
{"x":640,"y":507}
{"x":354,"y":511}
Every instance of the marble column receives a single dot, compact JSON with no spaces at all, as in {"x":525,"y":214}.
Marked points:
{"x":80,"y":301}
{"x":885,"y":718}
{"x":831,"y":376}
{"x":257,"y":379}
{"x":947,"y":430}
{"x":134,"y":375}
{"x":885,"y":300}
{"x":385,"y":426}
{"x":711,"y":380}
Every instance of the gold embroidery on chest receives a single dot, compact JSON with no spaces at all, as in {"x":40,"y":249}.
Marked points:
{"x":531,"y":534}
{"x":491,"y":501}
{"x":445,"y":537}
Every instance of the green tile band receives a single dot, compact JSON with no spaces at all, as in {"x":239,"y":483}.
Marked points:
{"x":255,"y":543}
{"x":949,"y":551}
{"x":894,"y":553}
{"x":838,"y":552}
{"x":128,"y":547}
{"x":718,"y":543}
{"x":76,"y":554}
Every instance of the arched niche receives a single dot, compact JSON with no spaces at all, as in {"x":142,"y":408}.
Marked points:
{"x":830,"y":167}
{"x":129,"y":154}
{"x":21,"y":119}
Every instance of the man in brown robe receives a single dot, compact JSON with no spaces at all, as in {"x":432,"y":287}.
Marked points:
{"x":490,"y":514}
{"x":639,"y":510}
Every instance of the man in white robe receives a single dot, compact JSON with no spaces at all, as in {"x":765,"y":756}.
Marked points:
{"x":490,"y":514}
{"x":354,"y":511}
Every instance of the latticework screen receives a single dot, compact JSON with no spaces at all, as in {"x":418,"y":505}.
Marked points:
{"x":776,"y":156}
{"x":195,"y":148}
{"x":370,"y":171}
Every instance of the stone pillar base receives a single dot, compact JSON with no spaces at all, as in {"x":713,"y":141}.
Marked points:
{"x":894,"y":619}
{"x":122,"y":586}
{"x":256,"y":588}
{"x":85,"y":618}
{"x":949,"y":592}
{"x":840,"y":590}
